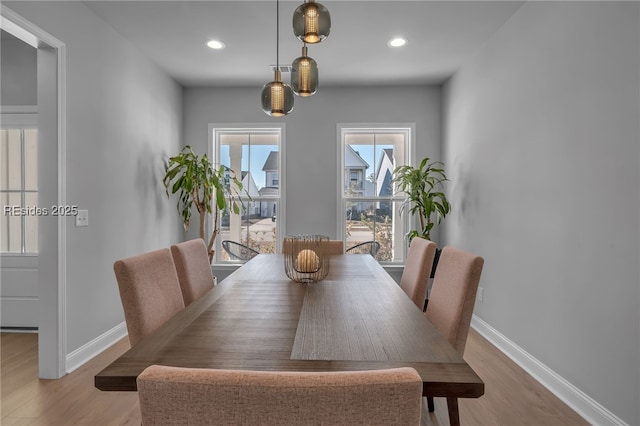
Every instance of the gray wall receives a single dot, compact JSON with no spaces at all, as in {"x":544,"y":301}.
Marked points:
{"x":123,"y":120}
{"x":311,"y":146}
{"x":541,"y":136}
{"x":18,"y":82}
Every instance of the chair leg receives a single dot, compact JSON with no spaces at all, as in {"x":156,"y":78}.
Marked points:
{"x":452,"y":406}
{"x":430,"y":404}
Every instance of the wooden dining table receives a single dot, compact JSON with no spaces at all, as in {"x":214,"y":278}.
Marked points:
{"x":357,"y":318}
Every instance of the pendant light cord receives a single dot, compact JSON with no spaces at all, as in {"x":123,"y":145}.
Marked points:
{"x":277,"y":35}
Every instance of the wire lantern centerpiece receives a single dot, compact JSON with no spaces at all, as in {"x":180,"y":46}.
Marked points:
{"x":304,"y":258}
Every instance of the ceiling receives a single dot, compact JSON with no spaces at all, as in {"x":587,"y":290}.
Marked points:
{"x":441,"y":35}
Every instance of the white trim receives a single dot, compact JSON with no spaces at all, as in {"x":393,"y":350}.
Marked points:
{"x":282,"y":185}
{"x":225,"y":267}
{"x":25,"y":30}
{"x":19,"y":298}
{"x":29,"y":32}
{"x":18,"y":30}
{"x":18,"y":120}
{"x":213,"y":128}
{"x":583,"y":404}
{"x":23,"y":261}
{"x":62,"y":201}
{"x":409,"y":129}
{"x":18,"y":109}
{"x":89,"y":350}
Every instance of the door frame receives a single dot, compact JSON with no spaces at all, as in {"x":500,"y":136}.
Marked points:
{"x":52,"y":330}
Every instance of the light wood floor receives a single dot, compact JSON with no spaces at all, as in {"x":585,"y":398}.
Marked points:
{"x":511,"y":396}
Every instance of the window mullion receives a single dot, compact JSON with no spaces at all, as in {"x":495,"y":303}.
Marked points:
{"x":373,"y":150}
{"x":23,"y":198}
{"x":256,"y":143}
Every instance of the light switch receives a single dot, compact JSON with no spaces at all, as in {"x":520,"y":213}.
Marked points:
{"x":82,"y":219}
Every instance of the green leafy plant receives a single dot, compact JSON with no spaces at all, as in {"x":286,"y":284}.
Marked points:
{"x":196,"y":182}
{"x":423,"y":187}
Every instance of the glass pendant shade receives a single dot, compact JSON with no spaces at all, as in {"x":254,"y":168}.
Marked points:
{"x":304,"y":75}
{"x":311,"y":22}
{"x":277,"y":97}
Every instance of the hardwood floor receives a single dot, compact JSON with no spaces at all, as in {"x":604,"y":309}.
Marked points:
{"x":511,"y":397}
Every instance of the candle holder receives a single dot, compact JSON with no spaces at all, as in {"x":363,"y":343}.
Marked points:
{"x":304,"y":258}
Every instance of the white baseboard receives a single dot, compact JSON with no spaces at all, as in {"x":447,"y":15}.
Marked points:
{"x":583,"y":404}
{"x":86,"y":352}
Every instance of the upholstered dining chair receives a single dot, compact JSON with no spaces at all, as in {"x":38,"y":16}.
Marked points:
{"x":149,"y":291}
{"x":417,"y":269}
{"x":194,"y":270}
{"x":330,"y":247}
{"x":174,"y":395}
{"x":451,"y":302}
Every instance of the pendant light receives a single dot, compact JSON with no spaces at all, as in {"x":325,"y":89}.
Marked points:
{"x":304,"y":75}
{"x":277,"y":97}
{"x":311,"y":22}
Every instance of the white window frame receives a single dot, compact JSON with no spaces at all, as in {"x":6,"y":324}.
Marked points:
{"x":409,"y":129}
{"x":218,"y":129}
{"x":24,"y":119}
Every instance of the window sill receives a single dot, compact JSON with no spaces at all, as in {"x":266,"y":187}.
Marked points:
{"x":223,"y":270}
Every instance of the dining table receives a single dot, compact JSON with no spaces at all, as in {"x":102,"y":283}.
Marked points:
{"x":357,"y":318}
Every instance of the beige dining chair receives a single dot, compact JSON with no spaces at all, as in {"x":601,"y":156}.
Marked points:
{"x":330,"y":247}
{"x":149,"y":291}
{"x":451,"y":303}
{"x":194,"y":270}
{"x":174,"y":395}
{"x":417,"y":270}
{"x":333,"y":247}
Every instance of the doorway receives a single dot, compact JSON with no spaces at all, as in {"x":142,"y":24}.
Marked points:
{"x":51,"y":110}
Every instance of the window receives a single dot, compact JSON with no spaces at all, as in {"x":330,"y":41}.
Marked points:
{"x":369,"y":205}
{"x":254,"y":154}
{"x":19,"y":190}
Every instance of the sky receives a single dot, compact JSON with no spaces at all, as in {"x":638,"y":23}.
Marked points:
{"x":259,"y":153}
{"x":257,"y":156}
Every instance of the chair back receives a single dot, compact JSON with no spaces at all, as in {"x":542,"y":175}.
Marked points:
{"x":174,"y":395}
{"x":194,"y":270}
{"x":333,"y":247}
{"x":149,"y":291}
{"x":330,"y":247}
{"x":453,"y":294}
{"x":417,"y":269}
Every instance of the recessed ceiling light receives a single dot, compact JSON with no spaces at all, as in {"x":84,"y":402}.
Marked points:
{"x":397,"y":42}
{"x":215,"y":44}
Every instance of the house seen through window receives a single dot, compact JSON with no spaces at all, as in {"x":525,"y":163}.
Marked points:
{"x":370,"y":205}
{"x":254,"y":155}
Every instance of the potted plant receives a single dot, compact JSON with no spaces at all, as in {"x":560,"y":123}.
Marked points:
{"x":423,"y":187}
{"x":197,"y":182}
